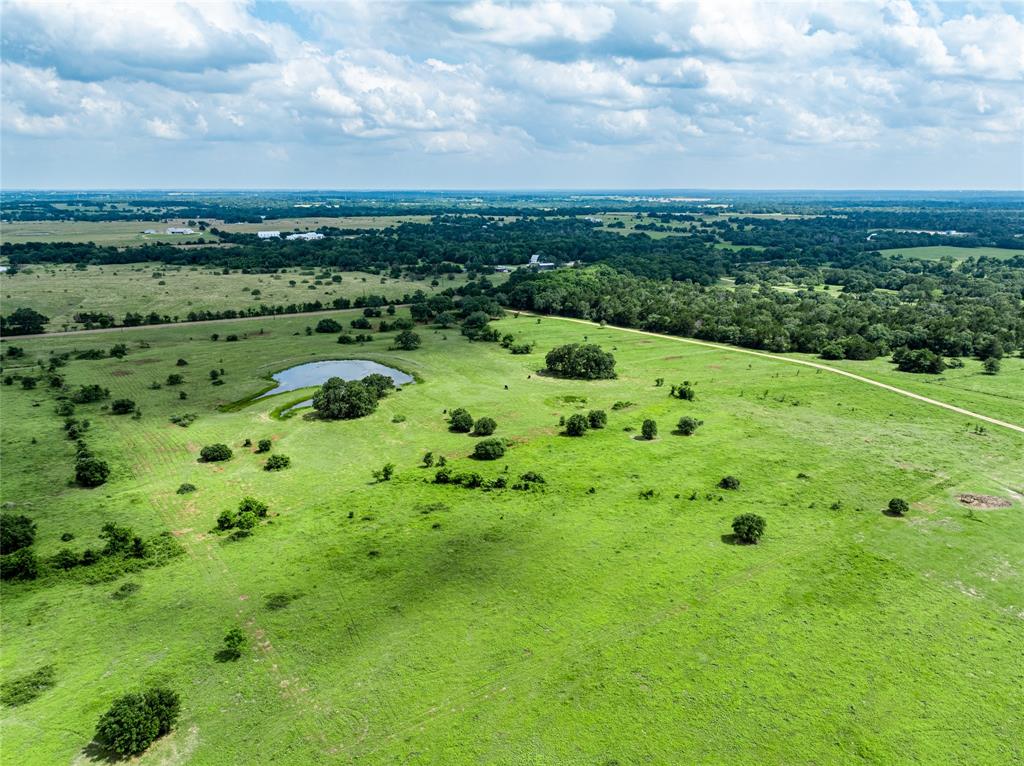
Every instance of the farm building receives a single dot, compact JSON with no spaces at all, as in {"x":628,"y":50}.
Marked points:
{"x":268,"y":234}
{"x":537,"y":263}
{"x":179,"y":230}
{"x":306,"y":235}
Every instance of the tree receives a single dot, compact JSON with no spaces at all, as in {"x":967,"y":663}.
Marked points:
{"x":263,"y":445}
{"x":226,"y":520}
{"x":407,"y":340}
{"x":484,"y":427}
{"x":28,"y":382}
{"x":20,"y":565}
{"x":16,"y":532}
{"x":252,"y":505}
{"x":91,"y":472}
{"x":748,"y":528}
{"x":597,"y":418}
{"x":175,"y":379}
{"x":584,"y":362}
{"x":687,"y":426}
{"x":277,"y":463}
{"x":119,"y":539}
{"x":381,"y":385}
{"x":215,"y":453}
{"x":576,"y":425}
{"x":898,"y":506}
{"x":328,"y":325}
{"x":991,"y":366}
{"x":460,"y":421}
{"x":683,"y":391}
{"x":384,"y":473}
{"x":122,"y":406}
{"x":246,"y":520}
{"x":918,"y":360}
{"x":729,"y":482}
{"x":489,"y":449}
{"x":23,"y":322}
{"x":135,"y":720}
{"x":234,"y":640}
{"x":90,"y":393}
{"x":339,"y":399}
{"x":649,"y":429}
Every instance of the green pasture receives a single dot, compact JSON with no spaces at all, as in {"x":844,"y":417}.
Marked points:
{"x":120,"y":233}
{"x":956,"y":253}
{"x":578,"y":624}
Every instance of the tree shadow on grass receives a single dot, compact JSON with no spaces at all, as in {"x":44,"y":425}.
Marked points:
{"x":731,"y":539}
{"x":96,"y":752}
{"x":892,"y":514}
{"x":226,"y":655}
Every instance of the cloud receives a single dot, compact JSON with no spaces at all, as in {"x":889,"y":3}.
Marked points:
{"x":536,"y":22}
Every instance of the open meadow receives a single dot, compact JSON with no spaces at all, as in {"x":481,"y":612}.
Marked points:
{"x":604,"y":616}
{"x":938,"y":252}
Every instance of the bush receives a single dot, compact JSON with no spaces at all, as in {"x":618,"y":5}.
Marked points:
{"x":748,"y":528}
{"x":991,"y":366}
{"x":339,"y":399}
{"x":134,"y":721}
{"x":175,"y":379}
{"x":460,"y":421}
{"x":91,"y":472}
{"x":185,"y":488}
{"x":585,"y":362}
{"x":181,"y":363}
{"x":254,"y":506}
{"x":918,"y":360}
{"x":729,"y":482}
{"x":16,"y":532}
{"x":328,"y":325}
{"x":384,"y":473}
{"x":246,"y":521}
{"x":898,"y":506}
{"x":234,"y":640}
{"x":649,"y":429}
{"x":576,"y":425}
{"x":277,"y":463}
{"x":215,"y":453}
{"x":687,"y":426}
{"x":484,"y":427}
{"x":263,"y":445}
{"x":20,"y":565}
{"x":489,"y":449}
{"x":90,"y":393}
{"x":407,"y":340}
{"x":597,"y":418}
{"x":122,"y":407}
{"x":683,"y":391}
{"x":381,"y":385}
{"x":65,"y":409}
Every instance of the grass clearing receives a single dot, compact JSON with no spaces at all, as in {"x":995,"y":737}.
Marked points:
{"x":406,"y":621}
{"x":117,"y":233}
{"x":956,"y":253}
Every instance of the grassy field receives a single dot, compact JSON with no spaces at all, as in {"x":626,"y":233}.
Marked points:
{"x":61,"y":291}
{"x":120,"y":233}
{"x":581,"y":624}
{"x":287,"y":225}
{"x":956,"y":253}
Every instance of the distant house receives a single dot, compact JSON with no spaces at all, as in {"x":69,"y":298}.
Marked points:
{"x":179,"y":230}
{"x":149,"y":231}
{"x":537,"y":263}
{"x":306,"y":235}
{"x":268,"y":234}
{"x":503,"y":269}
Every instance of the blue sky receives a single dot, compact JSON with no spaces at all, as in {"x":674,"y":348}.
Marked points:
{"x":487,"y":94}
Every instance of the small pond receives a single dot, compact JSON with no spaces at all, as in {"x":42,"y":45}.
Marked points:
{"x":317,"y":373}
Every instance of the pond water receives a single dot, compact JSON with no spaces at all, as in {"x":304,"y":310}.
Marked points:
{"x":317,"y":373}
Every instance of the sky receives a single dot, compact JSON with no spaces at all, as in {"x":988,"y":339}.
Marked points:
{"x":886,"y":94}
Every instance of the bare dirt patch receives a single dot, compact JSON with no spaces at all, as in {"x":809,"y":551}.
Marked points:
{"x":984,"y":502}
{"x":121,"y":373}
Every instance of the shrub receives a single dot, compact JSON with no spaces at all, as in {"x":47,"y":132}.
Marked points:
{"x":360,"y":323}
{"x":597,"y":418}
{"x":91,"y":472}
{"x":585,"y":362}
{"x":683,"y":391}
{"x":28,"y":382}
{"x":65,"y":409}
{"x":122,"y":407}
{"x":384,"y":473}
{"x":175,"y":379}
{"x":252,"y":505}
{"x":460,"y":421}
{"x":484,"y":427}
{"x":134,"y":721}
{"x":428,"y":460}
{"x":339,"y":399}
{"x":687,"y":426}
{"x":185,"y":488}
{"x":246,"y":521}
{"x":20,"y":565}
{"x":576,"y":425}
{"x":407,"y":340}
{"x":16,"y":532}
{"x":119,"y":350}
{"x":215,"y":453}
{"x":489,"y":449}
{"x":181,"y":363}
{"x":898,"y":506}
{"x":991,"y":366}
{"x":22,"y":689}
{"x":328,"y":325}
{"x":263,"y":445}
{"x":748,"y":528}
{"x":729,"y":482}
{"x":90,"y":393}
{"x":649,"y":429}
{"x":277,"y":463}
{"x":918,"y":360}
{"x":234,"y":640}
{"x":65,"y":559}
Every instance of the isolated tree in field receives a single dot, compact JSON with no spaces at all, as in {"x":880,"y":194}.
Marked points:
{"x":460,"y":421}
{"x":649,"y":429}
{"x":729,"y":482}
{"x":215,"y":453}
{"x":683,"y":391}
{"x":407,"y":340}
{"x":328,"y":325}
{"x":91,"y":472}
{"x":16,"y":532}
{"x":122,"y":407}
{"x":898,"y":506}
{"x":484,"y":427}
{"x":263,"y":445}
{"x":576,"y":425}
{"x":384,"y":473}
{"x":991,"y":366}
{"x":339,"y":399}
{"x":277,"y":462}
{"x":597,"y":418}
{"x":118,"y":351}
{"x":748,"y":528}
{"x":428,"y":460}
{"x":489,"y":449}
{"x":28,"y":382}
{"x":687,"y":426}
{"x":134,"y":721}
{"x":181,"y":363}
{"x":175,"y":379}
{"x":585,"y":362}
{"x":234,"y":640}
{"x":23,"y":322}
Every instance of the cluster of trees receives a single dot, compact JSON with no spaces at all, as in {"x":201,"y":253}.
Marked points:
{"x":461,"y":422}
{"x":339,"y":399}
{"x":580,"y":361}
{"x":245,"y":517}
{"x":133,"y":722}
{"x":578,"y":424}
